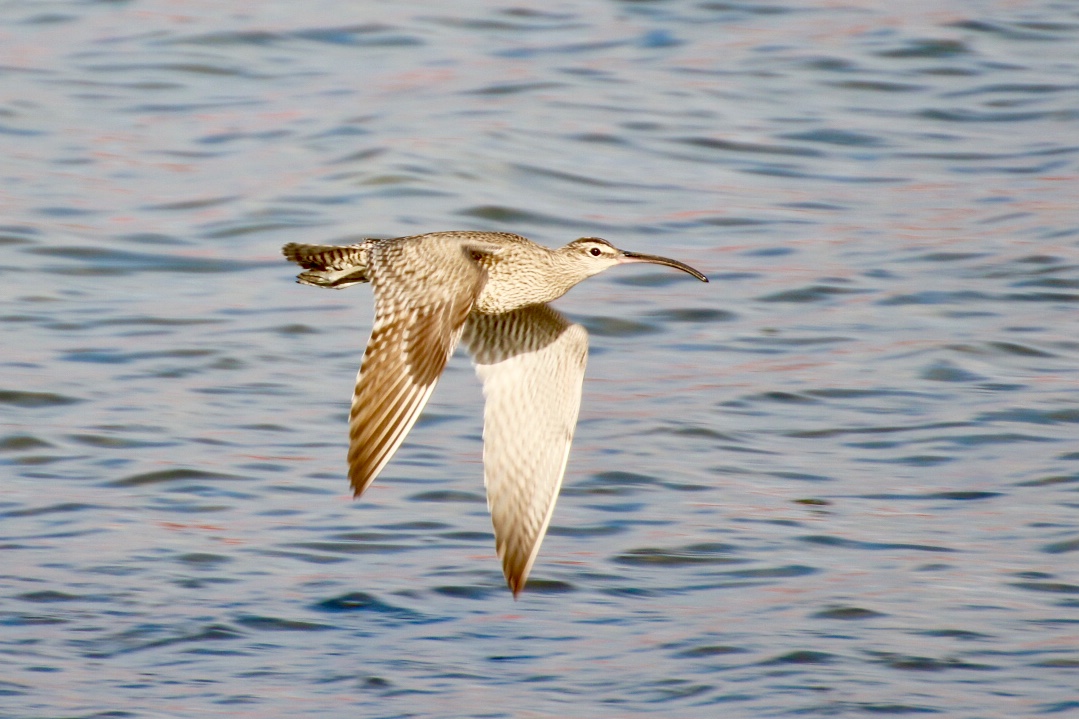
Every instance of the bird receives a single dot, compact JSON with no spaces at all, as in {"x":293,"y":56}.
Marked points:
{"x":490,"y":290}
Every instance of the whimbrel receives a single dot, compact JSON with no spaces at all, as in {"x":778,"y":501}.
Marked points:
{"x":491,"y":289}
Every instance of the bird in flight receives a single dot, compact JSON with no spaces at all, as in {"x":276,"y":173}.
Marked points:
{"x":490,"y":289}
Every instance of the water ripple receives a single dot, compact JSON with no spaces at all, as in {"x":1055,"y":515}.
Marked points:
{"x":843,"y":468}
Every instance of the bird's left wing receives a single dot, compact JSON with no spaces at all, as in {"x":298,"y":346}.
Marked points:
{"x":532,"y":363}
{"x":423,"y":293}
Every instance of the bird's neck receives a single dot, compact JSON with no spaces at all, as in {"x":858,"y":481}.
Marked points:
{"x":514,"y":282}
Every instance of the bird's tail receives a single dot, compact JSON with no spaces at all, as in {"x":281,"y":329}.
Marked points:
{"x":333,"y":266}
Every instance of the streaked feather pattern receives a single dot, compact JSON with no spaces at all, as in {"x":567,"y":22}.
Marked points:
{"x":416,"y":329}
{"x":532,"y":363}
{"x":490,"y":287}
{"x":335,"y":266}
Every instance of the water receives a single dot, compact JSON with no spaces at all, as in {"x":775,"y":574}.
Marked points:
{"x":840,"y":480}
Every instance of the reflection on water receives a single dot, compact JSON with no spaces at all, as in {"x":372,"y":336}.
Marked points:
{"x":840,"y":481}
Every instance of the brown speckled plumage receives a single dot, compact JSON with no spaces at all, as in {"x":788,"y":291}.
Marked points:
{"x":492,"y":287}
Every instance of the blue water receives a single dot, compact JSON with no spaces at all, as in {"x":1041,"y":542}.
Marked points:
{"x":839,"y":480}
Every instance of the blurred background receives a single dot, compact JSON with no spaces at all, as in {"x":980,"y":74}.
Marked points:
{"x":839,"y":480}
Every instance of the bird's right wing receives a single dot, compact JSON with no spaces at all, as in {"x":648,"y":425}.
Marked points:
{"x":422,"y":297}
{"x":532,"y":363}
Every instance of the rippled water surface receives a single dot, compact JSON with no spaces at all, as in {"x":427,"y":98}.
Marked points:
{"x":842,"y":479}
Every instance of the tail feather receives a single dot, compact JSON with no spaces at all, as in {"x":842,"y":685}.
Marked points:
{"x":327,"y":257}
{"x":333,"y":266}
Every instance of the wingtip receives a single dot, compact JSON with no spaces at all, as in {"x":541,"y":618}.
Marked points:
{"x":358,"y":486}
{"x":357,"y":483}
{"x":515,"y":581}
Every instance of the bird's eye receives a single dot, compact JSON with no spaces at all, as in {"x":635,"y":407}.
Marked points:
{"x":595,"y":251}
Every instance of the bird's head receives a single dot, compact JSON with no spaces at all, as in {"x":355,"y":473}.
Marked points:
{"x":593,"y":255}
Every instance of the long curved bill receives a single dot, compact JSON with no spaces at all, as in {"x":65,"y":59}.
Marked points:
{"x":656,"y":260}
